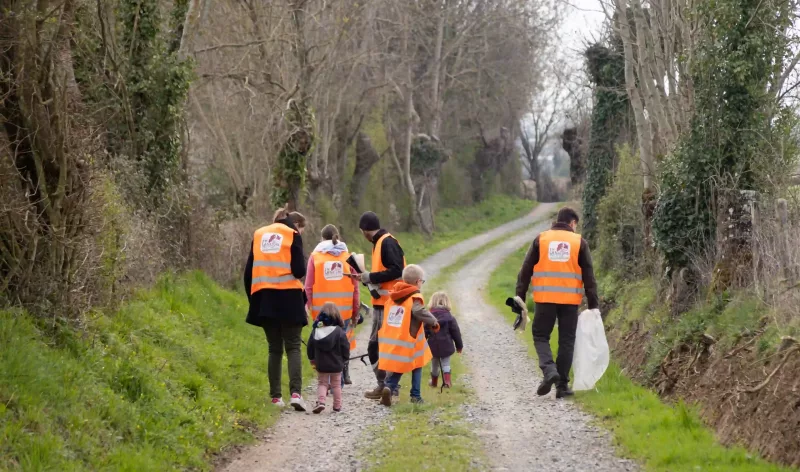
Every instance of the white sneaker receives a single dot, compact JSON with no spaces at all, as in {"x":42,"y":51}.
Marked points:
{"x":297,"y":402}
{"x":278,"y":402}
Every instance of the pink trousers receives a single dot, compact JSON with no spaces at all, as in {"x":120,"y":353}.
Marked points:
{"x":335,"y":382}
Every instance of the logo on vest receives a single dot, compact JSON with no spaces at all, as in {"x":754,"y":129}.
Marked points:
{"x":559,"y":251}
{"x":333,"y":270}
{"x":395,"y":316}
{"x":271,"y":243}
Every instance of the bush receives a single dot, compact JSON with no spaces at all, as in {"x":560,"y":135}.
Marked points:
{"x":620,"y":244}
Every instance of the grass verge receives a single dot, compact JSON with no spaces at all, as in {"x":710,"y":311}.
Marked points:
{"x":430,"y":436}
{"x":164,"y":383}
{"x":660,"y":436}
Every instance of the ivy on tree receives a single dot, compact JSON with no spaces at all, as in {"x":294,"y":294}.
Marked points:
{"x":736,"y":118}
{"x":610,"y":118}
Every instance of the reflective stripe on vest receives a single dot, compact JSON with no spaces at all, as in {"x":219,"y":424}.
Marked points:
{"x":557,"y":277}
{"x":332,"y":284}
{"x":377,"y":266}
{"x":272,"y":259}
{"x":398,"y":351}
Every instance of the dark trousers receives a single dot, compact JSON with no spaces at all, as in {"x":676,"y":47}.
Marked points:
{"x":544,"y":319}
{"x":282,"y":336}
{"x":372,"y":350}
{"x":372,"y":347}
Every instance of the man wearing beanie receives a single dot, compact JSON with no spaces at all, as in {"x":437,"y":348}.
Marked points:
{"x":388,"y":262}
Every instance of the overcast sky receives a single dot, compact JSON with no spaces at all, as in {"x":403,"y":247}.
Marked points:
{"x":583,"y":20}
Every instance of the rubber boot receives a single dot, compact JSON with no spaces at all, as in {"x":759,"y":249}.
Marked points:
{"x":447,"y":382}
{"x":346,"y":374}
{"x":434,"y":381}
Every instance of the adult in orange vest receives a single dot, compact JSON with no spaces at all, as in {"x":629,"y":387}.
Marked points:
{"x":328,"y":280}
{"x":401,"y":338}
{"x":388,"y":262}
{"x":272,"y":276}
{"x":558,"y":268}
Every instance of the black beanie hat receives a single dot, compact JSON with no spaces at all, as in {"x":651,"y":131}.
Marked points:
{"x":369,"y":222}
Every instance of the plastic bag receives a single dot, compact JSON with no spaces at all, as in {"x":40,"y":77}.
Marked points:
{"x":591,"y":356}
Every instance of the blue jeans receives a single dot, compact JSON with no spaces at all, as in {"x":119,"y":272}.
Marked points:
{"x":393,"y":378}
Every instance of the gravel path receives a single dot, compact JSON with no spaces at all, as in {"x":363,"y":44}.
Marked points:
{"x":520,"y":431}
{"x":293,"y":442}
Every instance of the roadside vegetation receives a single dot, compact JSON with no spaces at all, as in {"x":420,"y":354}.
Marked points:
{"x":661,"y":436}
{"x":165,"y":382}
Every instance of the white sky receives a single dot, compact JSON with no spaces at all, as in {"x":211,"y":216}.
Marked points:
{"x":583,"y":21}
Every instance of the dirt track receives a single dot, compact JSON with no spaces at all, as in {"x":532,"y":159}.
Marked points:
{"x":293,"y":443}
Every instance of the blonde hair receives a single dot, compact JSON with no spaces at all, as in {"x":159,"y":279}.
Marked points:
{"x":440,"y":300}
{"x":330,"y":309}
{"x":295,"y":216}
{"x":330,"y":233}
{"x":412,"y":273}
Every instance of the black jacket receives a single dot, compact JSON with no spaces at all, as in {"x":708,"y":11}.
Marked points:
{"x":287,"y":306}
{"x":392,"y":258}
{"x":328,"y":348}
{"x":448,"y":340}
{"x":584,"y":261}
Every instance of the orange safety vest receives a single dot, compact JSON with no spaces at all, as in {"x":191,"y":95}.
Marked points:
{"x":377,"y":266}
{"x":272,"y":259}
{"x":557,"y":277}
{"x":332,"y":284}
{"x":398,"y":351}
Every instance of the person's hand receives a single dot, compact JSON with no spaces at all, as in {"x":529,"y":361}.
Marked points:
{"x":364,"y":277}
{"x":459,"y":351}
{"x":313,"y":365}
{"x":436,"y":327}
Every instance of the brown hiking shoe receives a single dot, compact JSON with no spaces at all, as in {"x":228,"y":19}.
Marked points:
{"x":386,"y":397}
{"x":374,"y":394}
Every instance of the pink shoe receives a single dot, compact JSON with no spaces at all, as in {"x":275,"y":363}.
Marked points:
{"x":278,"y":402}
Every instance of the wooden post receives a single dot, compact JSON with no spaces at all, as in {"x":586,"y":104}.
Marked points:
{"x":755,"y":221}
{"x":783,"y":241}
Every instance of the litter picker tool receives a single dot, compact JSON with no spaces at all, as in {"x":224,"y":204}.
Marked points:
{"x":356,"y":261}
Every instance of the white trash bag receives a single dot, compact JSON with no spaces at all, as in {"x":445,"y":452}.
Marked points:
{"x":591,"y":356}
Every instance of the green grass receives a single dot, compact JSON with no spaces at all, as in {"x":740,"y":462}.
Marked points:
{"x":454,"y":225}
{"x":432,"y":436}
{"x":660,"y":436}
{"x":171,"y":378}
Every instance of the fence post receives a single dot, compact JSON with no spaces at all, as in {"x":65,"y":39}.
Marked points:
{"x":755,"y":221}
{"x":783,"y":241}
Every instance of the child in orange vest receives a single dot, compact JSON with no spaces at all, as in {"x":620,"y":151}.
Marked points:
{"x":405,"y":298}
{"x":328,"y":350}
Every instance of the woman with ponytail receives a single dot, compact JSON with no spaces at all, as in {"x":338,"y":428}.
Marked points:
{"x":328,"y":280}
{"x":275,"y":265}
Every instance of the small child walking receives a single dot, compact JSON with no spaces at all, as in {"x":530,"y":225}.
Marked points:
{"x":328,"y":350}
{"x":446,"y":341}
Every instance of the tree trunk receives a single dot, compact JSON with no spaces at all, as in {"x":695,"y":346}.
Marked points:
{"x":366,"y":158}
{"x":436,"y":105}
{"x":643,"y":130}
